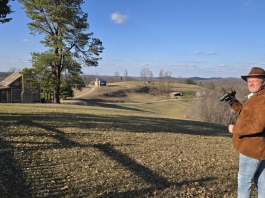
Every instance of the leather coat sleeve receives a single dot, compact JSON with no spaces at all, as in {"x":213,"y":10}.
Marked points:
{"x":236,"y":106}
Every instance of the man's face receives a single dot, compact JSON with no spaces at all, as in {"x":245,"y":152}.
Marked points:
{"x":254,"y":84}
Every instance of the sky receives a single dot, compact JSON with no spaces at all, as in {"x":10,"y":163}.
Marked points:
{"x":188,"y":38}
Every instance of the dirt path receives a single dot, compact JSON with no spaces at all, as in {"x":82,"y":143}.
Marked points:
{"x":89,"y":91}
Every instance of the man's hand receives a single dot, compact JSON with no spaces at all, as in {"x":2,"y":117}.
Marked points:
{"x":230,"y":128}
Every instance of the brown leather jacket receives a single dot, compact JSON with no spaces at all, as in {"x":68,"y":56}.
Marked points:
{"x":249,"y":130}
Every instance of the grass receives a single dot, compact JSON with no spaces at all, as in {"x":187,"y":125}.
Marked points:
{"x":65,"y":150}
{"x":132,"y":92}
{"x":101,"y":150}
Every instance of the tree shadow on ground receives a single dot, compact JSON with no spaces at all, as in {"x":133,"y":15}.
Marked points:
{"x":17,"y":149}
{"x":11,"y":186}
{"x":139,"y":124}
{"x":156,"y":181}
{"x":102,"y":103}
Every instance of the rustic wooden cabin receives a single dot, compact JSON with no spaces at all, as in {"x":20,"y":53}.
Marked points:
{"x":13,"y":90}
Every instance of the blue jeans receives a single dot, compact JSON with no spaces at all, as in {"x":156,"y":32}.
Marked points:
{"x":251,"y":170}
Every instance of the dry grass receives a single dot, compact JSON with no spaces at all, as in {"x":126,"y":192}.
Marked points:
{"x":109,"y":150}
{"x":132,"y":92}
{"x":143,"y":149}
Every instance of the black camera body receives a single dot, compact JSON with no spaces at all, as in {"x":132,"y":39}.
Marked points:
{"x":227,"y":96}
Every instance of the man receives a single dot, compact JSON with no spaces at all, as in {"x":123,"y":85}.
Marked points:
{"x":249,"y":135}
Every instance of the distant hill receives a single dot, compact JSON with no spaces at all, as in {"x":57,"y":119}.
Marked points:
{"x":199,"y":78}
{"x":196,"y":78}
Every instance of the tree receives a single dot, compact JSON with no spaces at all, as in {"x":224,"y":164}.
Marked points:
{"x":69,"y":77}
{"x":161,"y":79}
{"x":117,"y":75}
{"x":150,"y":76}
{"x":179,"y":79}
{"x":69,"y":46}
{"x":12,"y":70}
{"x":125,"y":75}
{"x":66,"y":90}
{"x":190,"y":81}
{"x":200,"y":84}
{"x":5,"y":10}
{"x":167,"y":76}
{"x":164,"y":80}
{"x":146,"y":74}
{"x":30,"y":78}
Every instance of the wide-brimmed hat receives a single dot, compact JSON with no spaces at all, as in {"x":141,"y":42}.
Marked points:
{"x":255,"y":72}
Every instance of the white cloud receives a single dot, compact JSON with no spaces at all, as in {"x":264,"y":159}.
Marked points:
{"x":211,"y":53}
{"x":144,"y":65}
{"x":117,"y":60}
{"x":193,"y":62}
{"x":118,"y":18}
{"x":27,"y":40}
{"x":197,"y":52}
{"x":203,"y":53}
{"x":169,"y":66}
{"x":19,"y":62}
{"x":221,"y":65}
{"x":248,"y":2}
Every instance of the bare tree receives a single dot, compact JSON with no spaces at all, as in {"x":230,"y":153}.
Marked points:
{"x":167,"y":76}
{"x":209,"y":108}
{"x":150,"y":77}
{"x":147,"y":75}
{"x":164,"y":80}
{"x":88,"y":79}
{"x":161,"y":80}
{"x":144,"y":73}
{"x":12,"y":70}
{"x":125,"y":75}
{"x":117,"y":75}
{"x":180,"y":79}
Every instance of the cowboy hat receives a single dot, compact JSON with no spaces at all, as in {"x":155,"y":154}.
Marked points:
{"x":255,"y":72}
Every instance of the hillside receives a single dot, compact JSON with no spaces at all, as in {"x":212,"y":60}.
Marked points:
{"x":113,"y":150}
{"x":134,"y":94}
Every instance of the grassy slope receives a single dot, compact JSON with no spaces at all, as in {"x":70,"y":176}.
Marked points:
{"x":156,"y":102}
{"x":112,"y":150}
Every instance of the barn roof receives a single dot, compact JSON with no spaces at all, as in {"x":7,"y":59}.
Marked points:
{"x":10,"y":79}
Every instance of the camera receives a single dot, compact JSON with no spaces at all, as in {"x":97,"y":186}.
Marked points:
{"x":227,"y":96}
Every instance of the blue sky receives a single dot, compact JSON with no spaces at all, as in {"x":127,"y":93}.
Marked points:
{"x":205,"y":38}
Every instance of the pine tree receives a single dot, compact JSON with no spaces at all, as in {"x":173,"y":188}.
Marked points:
{"x":64,"y":27}
{"x":5,"y":10}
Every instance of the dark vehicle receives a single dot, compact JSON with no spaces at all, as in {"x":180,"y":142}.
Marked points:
{"x":176,"y":94}
{"x":83,"y":84}
{"x":102,"y":82}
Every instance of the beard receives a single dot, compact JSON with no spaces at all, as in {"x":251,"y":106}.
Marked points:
{"x":255,"y":89}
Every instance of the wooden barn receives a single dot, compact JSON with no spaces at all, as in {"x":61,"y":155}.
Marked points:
{"x":12,"y":90}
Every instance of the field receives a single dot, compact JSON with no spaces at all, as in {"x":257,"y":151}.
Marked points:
{"x":127,"y":149}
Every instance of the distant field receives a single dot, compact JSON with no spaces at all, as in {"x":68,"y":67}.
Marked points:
{"x":113,"y":150}
{"x":126,"y":94}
